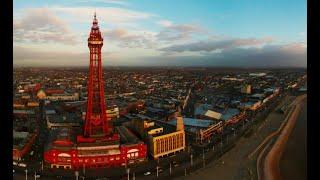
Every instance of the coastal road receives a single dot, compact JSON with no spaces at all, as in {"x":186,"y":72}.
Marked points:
{"x":235,"y":163}
{"x":293,"y":163}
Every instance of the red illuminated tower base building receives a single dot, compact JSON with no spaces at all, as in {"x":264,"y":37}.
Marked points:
{"x":100,"y":145}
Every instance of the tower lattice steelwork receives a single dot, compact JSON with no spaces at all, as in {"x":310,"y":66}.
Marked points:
{"x":96,"y":124}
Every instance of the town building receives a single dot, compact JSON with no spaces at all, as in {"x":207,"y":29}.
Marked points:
{"x":161,"y":141}
{"x":22,"y":143}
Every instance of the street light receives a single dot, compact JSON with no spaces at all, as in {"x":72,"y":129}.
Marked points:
{"x":204,"y":164}
{"x":227,"y":138}
{"x":42,"y":165}
{"x":76,"y":173}
{"x":36,"y":176}
{"x":84,"y":168}
{"x":157,"y":171}
{"x":128,"y":172}
{"x":26,"y":171}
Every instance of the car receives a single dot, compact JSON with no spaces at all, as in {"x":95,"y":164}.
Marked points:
{"x":160,"y":170}
{"x":175,"y":164}
{"x":147,"y":173}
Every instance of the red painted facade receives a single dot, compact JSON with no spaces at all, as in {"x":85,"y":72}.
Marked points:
{"x":71,"y":158}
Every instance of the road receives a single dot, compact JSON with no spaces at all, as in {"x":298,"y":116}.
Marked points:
{"x":293,"y":163}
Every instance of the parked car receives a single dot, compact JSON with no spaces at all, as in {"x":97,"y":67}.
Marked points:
{"x":147,"y":173}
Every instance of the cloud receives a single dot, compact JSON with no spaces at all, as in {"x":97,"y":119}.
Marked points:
{"x":41,"y":25}
{"x":212,"y":45}
{"x":177,"y":32}
{"x":116,"y":2}
{"x":287,"y":55}
{"x":23,"y":56}
{"x":165,"y":23}
{"x":130,"y":40}
{"x":108,"y":15}
{"x":266,"y":56}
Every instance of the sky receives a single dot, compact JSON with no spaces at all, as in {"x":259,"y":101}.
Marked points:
{"x":206,"y":33}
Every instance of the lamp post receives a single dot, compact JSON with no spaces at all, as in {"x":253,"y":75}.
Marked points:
{"x":41,"y":165}
{"x":128,"y":172}
{"x":191,"y":157}
{"x":26,"y":171}
{"x":170,"y":168}
{"x":134,"y":176}
{"x":227,"y":138}
{"x":204,"y":164}
{"x":84,"y":168}
{"x":76,"y":173}
{"x":157,"y":171}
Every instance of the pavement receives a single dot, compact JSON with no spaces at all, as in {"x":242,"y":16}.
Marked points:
{"x":293,"y":163}
{"x":271,"y":169}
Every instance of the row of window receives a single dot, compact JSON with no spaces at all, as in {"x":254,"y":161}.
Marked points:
{"x":169,"y":143}
{"x":101,"y":159}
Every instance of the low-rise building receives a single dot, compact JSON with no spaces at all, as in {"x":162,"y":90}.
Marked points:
{"x":22,"y":142}
{"x":63,"y":97}
{"x":161,"y":142}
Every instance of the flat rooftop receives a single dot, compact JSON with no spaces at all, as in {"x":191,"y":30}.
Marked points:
{"x":126,"y":136}
{"x":65,"y":118}
{"x":200,"y":123}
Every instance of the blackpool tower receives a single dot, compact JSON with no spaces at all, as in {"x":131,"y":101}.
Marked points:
{"x":96,"y":124}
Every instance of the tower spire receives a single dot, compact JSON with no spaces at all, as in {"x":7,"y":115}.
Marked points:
{"x":95,"y":21}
